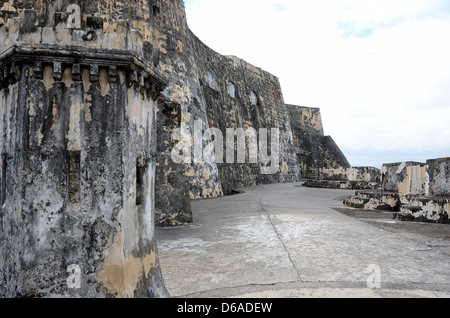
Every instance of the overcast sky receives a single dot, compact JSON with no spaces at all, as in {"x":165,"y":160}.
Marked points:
{"x":379,"y":70}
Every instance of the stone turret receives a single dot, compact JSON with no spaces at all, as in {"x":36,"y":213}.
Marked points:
{"x":79,"y":82}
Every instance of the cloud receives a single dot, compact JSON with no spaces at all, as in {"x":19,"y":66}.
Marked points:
{"x":277,"y":7}
{"x":379,"y":70}
{"x":350,"y":30}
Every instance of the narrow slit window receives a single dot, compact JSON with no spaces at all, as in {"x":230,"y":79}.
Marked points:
{"x":210,"y":80}
{"x":254,"y":98}
{"x":232,"y":89}
{"x":74,"y":178}
{"x":139,"y":182}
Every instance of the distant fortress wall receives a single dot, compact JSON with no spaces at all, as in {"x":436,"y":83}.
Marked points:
{"x":207,"y":90}
{"x":315,"y":151}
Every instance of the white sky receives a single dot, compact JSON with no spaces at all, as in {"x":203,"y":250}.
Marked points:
{"x":379,"y":70}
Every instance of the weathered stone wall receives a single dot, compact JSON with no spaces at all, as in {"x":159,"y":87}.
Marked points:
{"x":320,"y":158}
{"x":432,"y":178}
{"x":314,"y":150}
{"x":306,"y":118}
{"x":198,"y":83}
{"x":178,"y":63}
{"x":424,"y":209}
{"x":78,"y":149}
{"x":363,"y":174}
{"x":350,"y":178}
{"x":375,"y":200}
{"x":404,"y":178}
{"x":255,"y":102}
{"x":84,"y":88}
{"x":439,"y":177}
{"x":224,"y":92}
{"x":416,"y":191}
{"x":173,"y":204}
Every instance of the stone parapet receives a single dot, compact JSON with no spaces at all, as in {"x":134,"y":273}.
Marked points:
{"x":116,"y":45}
{"x":405,"y":178}
{"x":415,"y":191}
{"x":438,"y":171}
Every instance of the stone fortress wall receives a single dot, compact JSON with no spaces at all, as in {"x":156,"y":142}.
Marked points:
{"x":91,"y":95}
{"x":315,"y":151}
{"x":207,"y":90}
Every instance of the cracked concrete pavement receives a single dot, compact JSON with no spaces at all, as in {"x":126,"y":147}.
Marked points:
{"x":288,"y":241}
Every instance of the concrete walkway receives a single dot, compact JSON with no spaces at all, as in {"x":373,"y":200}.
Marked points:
{"x":285,"y":240}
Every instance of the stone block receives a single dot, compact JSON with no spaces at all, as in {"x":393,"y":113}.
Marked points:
{"x":439,"y":177}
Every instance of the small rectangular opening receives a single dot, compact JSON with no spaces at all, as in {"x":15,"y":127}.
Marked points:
{"x":156,"y":10}
{"x":254,"y":98}
{"x":210,"y":80}
{"x":74,"y":178}
{"x":232,"y":89}
{"x":139,"y":181}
